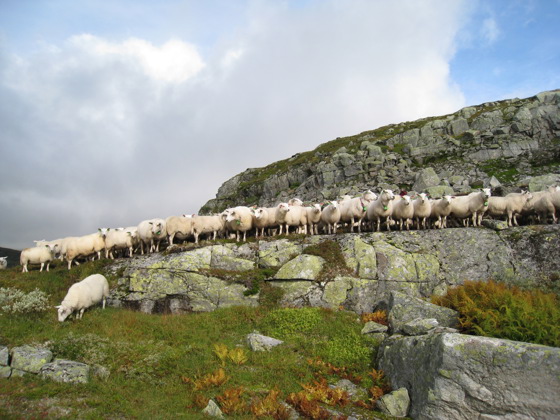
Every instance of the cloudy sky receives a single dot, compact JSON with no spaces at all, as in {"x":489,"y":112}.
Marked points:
{"x":116,"y":111}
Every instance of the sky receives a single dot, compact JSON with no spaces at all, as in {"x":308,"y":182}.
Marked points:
{"x":117,"y":111}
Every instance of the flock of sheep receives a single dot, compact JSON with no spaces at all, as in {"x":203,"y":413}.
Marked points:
{"x":369,"y":211}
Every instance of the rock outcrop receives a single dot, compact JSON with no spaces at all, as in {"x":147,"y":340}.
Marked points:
{"x":455,"y":376}
{"x":417,"y":263}
{"x":505,"y":145}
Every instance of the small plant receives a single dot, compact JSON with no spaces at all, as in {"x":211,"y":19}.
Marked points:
{"x":213,"y":379}
{"x":378,"y":316}
{"x":238,"y":356}
{"x":221,"y":350}
{"x":496,"y":310}
{"x":231,"y":401}
{"x":14,"y":301}
{"x":269,"y":406}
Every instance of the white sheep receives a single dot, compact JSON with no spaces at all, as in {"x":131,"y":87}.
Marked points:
{"x":239,"y":220}
{"x":511,"y":205}
{"x":84,"y":246}
{"x":81,"y":295}
{"x":313,"y":218}
{"x":120,"y":239}
{"x":422,"y":209}
{"x":473,"y":205}
{"x":543,"y":206}
{"x":260,"y":221}
{"x":403,"y":211}
{"x":382,"y":207}
{"x":208,"y":225}
{"x":330,"y":216}
{"x":178,"y":227}
{"x":354,"y":210}
{"x":3,"y":263}
{"x":441,"y":209}
{"x":150,"y":233}
{"x":37,"y":255}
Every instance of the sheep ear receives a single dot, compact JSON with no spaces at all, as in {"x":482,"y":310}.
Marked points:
{"x":58,"y":306}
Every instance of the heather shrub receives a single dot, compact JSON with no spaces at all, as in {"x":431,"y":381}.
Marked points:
{"x":497,"y":310}
{"x":14,"y":301}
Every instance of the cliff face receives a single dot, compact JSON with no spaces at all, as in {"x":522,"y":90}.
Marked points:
{"x":506,"y":144}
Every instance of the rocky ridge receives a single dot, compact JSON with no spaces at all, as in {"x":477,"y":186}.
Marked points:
{"x":371,"y":266}
{"x":505,"y":144}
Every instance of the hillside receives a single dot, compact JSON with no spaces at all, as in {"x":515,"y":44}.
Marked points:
{"x":12,"y":254}
{"x":505,"y":144}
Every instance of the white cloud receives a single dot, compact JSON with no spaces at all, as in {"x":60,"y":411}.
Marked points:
{"x":490,"y":30}
{"x":116,"y":132}
{"x":174,"y":62}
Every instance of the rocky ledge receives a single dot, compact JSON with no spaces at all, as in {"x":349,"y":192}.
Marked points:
{"x":419,"y":263}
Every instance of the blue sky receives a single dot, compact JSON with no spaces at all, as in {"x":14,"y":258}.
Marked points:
{"x":116,"y":111}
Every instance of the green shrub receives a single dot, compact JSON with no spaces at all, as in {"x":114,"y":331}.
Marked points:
{"x":349,"y":349}
{"x":496,"y":310}
{"x":14,"y":301}
{"x":287,"y":322}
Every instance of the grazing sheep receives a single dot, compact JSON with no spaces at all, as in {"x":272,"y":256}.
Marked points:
{"x":82,"y":295}
{"x":313,"y":218}
{"x":84,"y":246}
{"x":120,"y":239}
{"x":151,"y":232}
{"x":354,"y":210}
{"x":441,"y":208}
{"x":37,"y":255}
{"x":208,"y":225}
{"x":473,"y":205}
{"x":178,"y":227}
{"x":330,"y":216}
{"x":422,"y":210}
{"x":510,"y":205}
{"x":403,"y":211}
{"x":240,"y":219}
{"x":382,"y":207}
{"x":3,"y":263}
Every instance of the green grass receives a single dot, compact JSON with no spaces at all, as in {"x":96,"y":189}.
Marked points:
{"x":154,"y":359}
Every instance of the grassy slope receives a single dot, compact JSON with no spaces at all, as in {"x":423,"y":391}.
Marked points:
{"x":154,"y":359}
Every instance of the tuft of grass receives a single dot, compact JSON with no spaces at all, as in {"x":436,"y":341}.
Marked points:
{"x":495,"y":309}
{"x":335,"y":263}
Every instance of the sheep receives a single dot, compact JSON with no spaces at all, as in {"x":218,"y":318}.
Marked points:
{"x":208,"y":224}
{"x":151,"y":232}
{"x":381,"y":207}
{"x":37,"y":255}
{"x":3,"y":263}
{"x":510,"y":205}
{"x":544,"y":207}
{"x":83,"y":294}
{"x":354,"y":210}
{"x":121,"y":238}
{"x":422,"y":209}
{"x":240,"y":219}
{"x":473,"y":205}
{"x":330,"y":216}
{"x":178,"y":227}
{"x":403,"y":211}
{"x":84,"y":246}
{"x":260,"y":221}
{"x":441,"y":208}
{"x":295,"y":202}
{"x":313,"y":218}
{"x":59,"y":248}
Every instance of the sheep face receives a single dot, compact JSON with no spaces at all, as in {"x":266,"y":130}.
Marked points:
{"x":103,"y":232}
{"x":259,"y":213}
{"x":406,"y":199}
{"x":487,"y":193}
{"x":63,"y":312}
{"x":3,"y":262}
{"x":422,"y":197}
